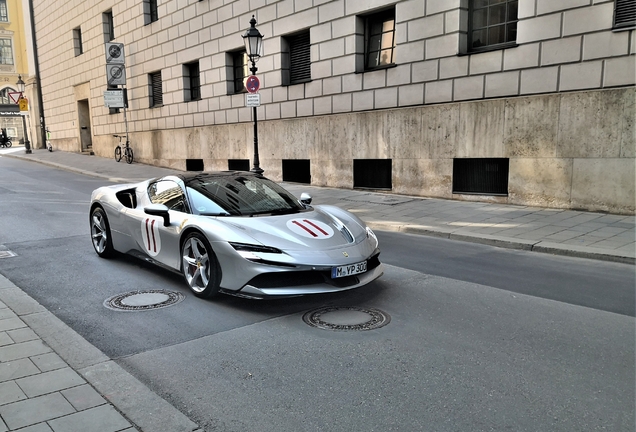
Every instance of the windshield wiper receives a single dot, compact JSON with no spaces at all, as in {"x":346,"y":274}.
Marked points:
{"x":214,"y":214}
{"x":276,"y":212}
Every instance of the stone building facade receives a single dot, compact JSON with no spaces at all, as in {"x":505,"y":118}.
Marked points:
{"x":527,"y":102}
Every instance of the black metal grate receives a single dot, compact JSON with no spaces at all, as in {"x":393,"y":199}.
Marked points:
{"x":485,"y":176}
{"x":238,"y":164}
{"x":156,"y":92}
{"x":296,"y":170}
{"x":372,"y":173}
{"x":625,"y":14}
{"x":299,"y":58}
{"x":194,"y":164}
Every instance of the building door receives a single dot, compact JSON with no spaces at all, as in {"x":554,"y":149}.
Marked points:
{"x":84,"y":116}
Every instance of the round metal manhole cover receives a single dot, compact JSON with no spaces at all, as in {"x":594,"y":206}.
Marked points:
{"x":346,"y":318}
{"x":143,"y":300}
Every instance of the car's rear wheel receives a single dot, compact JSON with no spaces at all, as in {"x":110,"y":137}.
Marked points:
{"x":100,"y":233}
{"x":200,"y":267}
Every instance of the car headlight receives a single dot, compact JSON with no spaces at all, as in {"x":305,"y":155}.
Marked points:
{"x":248,"y":251}
{"x":372,"y":237}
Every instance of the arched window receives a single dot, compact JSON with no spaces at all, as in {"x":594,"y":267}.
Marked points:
{"x":4,"y":96}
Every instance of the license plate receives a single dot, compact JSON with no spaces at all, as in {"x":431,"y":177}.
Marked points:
{"x":348,"y":270}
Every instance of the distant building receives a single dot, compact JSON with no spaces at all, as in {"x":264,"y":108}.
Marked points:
{"x":527,"y":102}
{"x":15,"y":62}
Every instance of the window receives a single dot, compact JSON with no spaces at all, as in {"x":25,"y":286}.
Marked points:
{"x":6,"y":52}
{"x":379,"y":39}
{"x":481,"y":176}
{"x":624,"y":14}
{"x":239,"y":70}
{"x":150,"y":11}
{"x":191,"y":82}
{"x":109,"y":27}
{"x":296,"y":59}
{"x":492,"y":24}
{"x":168,"y":193}
{"x":4,"y":96}
{"x":77,"y":41}
{"x":155,"y":90}
{"x":4,"y":13}
{"x":297,"y":170}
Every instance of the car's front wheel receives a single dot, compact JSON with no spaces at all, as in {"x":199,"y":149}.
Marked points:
{"x":100,"y":233}
{"x":200,"y":267}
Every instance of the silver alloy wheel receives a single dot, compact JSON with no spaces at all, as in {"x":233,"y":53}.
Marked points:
{"x":196,"y":264}
{"x":99,"y":232}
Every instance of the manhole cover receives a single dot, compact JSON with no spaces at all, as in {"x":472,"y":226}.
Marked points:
{"x":346,"y":318}
{"x":143,"y":300}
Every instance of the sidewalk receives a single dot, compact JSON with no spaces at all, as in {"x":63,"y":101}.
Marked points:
{"x":51,"y":379}
{"x":562,"y":232}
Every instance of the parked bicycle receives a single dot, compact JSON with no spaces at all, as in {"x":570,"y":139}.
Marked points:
{"x":128,"y":152}
{"x":5,"y":140}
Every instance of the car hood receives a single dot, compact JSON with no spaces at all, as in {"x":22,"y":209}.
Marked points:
{"x":319,"y":229}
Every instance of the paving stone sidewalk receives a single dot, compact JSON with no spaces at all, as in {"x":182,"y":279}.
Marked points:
{"x":564,"y":232}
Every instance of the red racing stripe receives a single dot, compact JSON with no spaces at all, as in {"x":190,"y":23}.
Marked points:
{"x":154,"y":240}
{"x":315,"y":226}
{"x":305,"y":228}
{"x":147,"y":234}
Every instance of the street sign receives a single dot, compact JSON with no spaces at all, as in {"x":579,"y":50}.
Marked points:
{"x":114,"y":53}
{"x":252,"y":84}
{"x":114,"y":98}
{"x":23,"y":103}
{"x":253,"y":100}
{"x":15,"y":96}
{"x":116,"y":74}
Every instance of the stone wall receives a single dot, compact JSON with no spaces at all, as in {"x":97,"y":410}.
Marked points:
{"x":568,"y":150}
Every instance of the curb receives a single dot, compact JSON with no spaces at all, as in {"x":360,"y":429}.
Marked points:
{"x":142,"y":407}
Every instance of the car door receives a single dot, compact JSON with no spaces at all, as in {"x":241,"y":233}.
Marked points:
{"x":160,"y":242}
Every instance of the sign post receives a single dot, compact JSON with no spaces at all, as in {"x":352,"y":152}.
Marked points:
{"x":116,"y":76}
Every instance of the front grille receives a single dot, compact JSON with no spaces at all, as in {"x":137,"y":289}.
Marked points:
{"x":308,"y":277}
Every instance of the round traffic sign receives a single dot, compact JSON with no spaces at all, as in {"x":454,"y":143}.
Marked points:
{"x":252,"y":84}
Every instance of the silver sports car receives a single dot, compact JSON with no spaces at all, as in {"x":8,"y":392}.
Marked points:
{"x":237,"y":233}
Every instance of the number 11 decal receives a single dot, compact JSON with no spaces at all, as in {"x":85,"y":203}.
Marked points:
{"x":150,"y":236}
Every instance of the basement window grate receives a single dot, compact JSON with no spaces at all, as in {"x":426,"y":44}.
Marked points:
{"x":372,"y":173}
{"x":296,"y":170}
{"x":238,"y":164}
{"x":194,"y":164}
{"x":481,"y":176}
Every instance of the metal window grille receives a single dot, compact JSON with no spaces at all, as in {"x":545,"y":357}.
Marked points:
{"x":239,"y":64}
{"x":297,"y":170}
{"x":156,"y":92}
{"x":380,"y":39}
{"x":109,"y":26}
{"x":193,"y":81}
{"x":238,"y":164}
{"x":77,"y":41}
{"x":6,"y":52}
{"x":299,"y":58}
{"x":492,"y":23}
{"x":481,"y":176}
{"x":624,"y":14}
{"x":372,"y":173}
{"x":4,"y":13}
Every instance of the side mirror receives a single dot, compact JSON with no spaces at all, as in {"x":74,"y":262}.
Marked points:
{"x":159,"y":210}
{"x":305,"y":198}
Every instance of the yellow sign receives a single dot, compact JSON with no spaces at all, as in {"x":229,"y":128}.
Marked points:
{"x":24,"y":104}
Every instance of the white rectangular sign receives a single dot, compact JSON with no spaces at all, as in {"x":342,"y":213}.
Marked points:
{"x":114,"y":53}
{"x":253,"y":100}
{"x":114,"y":98}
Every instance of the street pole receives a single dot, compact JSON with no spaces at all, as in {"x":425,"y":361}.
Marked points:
{"x":254,"y":48}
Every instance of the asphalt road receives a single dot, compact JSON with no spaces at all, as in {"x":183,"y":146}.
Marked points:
{"x":480,"y":338}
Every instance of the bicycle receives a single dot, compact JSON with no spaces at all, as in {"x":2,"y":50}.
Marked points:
{"x":128,"y":152}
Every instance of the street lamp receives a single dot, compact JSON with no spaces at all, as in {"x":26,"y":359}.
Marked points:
{"x":254,"y":48}
{"x":21,"y":87}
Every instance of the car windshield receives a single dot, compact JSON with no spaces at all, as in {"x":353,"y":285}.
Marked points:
{"x":237,"y":195}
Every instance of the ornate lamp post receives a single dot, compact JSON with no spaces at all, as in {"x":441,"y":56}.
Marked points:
{"x":254,"y":48}
{"x":21,"y":87}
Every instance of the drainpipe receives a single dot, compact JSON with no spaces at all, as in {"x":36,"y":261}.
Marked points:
{"x":37,"y":78}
